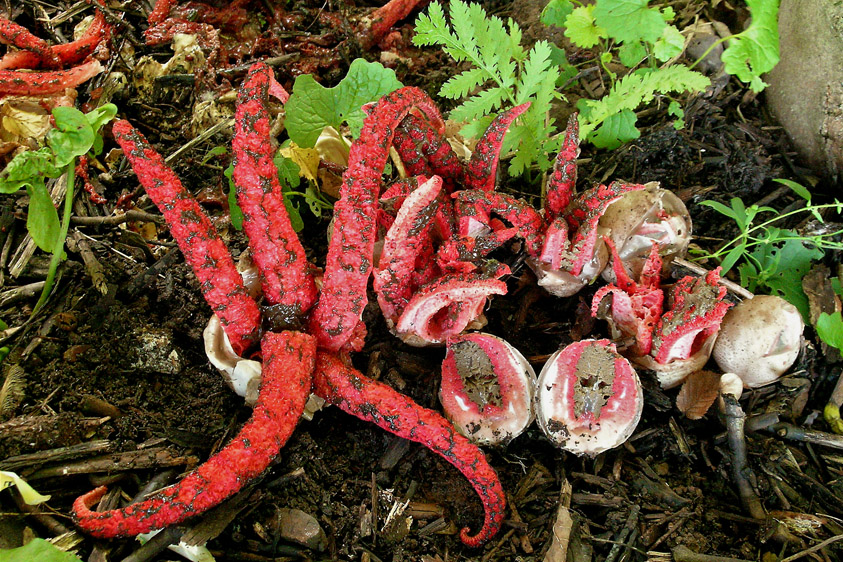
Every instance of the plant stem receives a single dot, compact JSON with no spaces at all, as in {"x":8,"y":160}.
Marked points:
{"x":745,"y":235}
{"x":70,"y":173}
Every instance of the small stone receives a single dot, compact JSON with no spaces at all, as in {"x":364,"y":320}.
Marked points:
{"x":301,"y":528}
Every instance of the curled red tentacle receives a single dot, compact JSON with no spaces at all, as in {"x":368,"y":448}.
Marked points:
{"x":68,"y":53}
{"x":481,"y":170}
{"x":197,"y":238}
{"x":382,"y":405}
{"x":335,"y":320}
{"x":425,"y":152}
{"x":17,"y":35}
{"x":276,"y":250}
{"x":404,"y":243}
{"x":289,"y":359}
{"x":478,"y":207}
{"x":18,"y":83}
{"x":563,"y":180}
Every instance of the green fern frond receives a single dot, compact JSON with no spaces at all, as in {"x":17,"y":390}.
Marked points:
{"x":484,"y":103}
{"x":463,"y":83}
{"x":639,"y":87}
{"x":511,"y":76}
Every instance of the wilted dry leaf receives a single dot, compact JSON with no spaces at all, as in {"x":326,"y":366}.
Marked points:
{"x":558,"y":549}
{"x":307,"y":160}
{"x":698,"y":393}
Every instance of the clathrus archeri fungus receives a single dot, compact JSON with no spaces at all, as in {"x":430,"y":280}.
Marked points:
{"x":37,"y":69}
{"x":300,"y":341}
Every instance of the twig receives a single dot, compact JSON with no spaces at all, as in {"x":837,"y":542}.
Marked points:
{"x":621,"y":546}
{"x":224,"y":124}
{"x":133,"y":215}
{"x":814,"y":548}
{"x":796,"y":433}
{"x":21,"y":293}
{"x":699,"y":270}
{"x":684,"y":554}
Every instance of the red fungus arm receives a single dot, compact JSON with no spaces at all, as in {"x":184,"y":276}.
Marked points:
{"x":197,"y":238}
{"x":424,"y":152}
{"x":563,"y":179}
{"x":289,"y":359}
{"x":335,"y":320}
{"x":17,"y":83}
{"x":68,"y":53}
{"x":18,"y":36}
{"x":481,"y":170}
{"x":378,"y":403}
{"x":276,"y":250}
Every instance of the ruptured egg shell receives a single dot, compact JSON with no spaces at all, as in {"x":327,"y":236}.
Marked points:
{"x":589,"y":398}
{"x":759,"y":340}
{"x":487,"y":388}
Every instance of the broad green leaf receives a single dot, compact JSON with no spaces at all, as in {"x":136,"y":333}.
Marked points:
{"x":669,"y":44}
{"x":581,"y":29}
{"x":830,"y":329}
{"x":632,"y":53}
{"x":783,"y":267}
{"x":42,"y":219}
{"x":97,"y":118}
{"x":797,"y":188}
{"x":629,"y":20}
{"x":755,"y":50}
{"x":312,"y":107}
{"x":556,"y":11}
{"x":616,"y":130}
{"x":37,"y":550}
{"x":72,"y":137}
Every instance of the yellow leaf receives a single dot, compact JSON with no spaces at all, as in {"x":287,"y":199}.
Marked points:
{"x":30,"y":496}
{"x":307,"y":160}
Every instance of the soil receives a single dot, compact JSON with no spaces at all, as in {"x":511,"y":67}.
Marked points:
{"x":120,"y":365}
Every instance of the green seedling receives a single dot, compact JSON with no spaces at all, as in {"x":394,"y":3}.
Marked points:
{"x":74,"y":135}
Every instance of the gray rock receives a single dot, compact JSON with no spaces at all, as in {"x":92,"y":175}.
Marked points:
{"x":806,"y":87}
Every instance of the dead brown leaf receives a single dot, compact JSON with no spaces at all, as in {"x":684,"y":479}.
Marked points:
{"x":698,"y":393}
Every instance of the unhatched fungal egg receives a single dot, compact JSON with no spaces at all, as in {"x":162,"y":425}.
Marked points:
{"x":487,"y":388}
{"x":589,"y":398}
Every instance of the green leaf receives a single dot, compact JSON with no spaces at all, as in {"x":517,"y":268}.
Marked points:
{"x":42,"y":218}
{"x":537,"y":70}
{"x":830,"y":329}
{"x":37,"y":549}
{"x":755,"y":50}
{"x":675,"y":108}
{"x":739,"y":212}
{"x":783,"y":267}
{"x":288,"y":176}
{"x":234,"y":210}
{"x":629,"y":20}
{"x":732,"y":257}
{"x":632,"y":53}
{"x":216,"y":151}
{"x":797,"y":188}
{"x":28,"y":168}
{"x":581,"y":29}
{"x":720,"y":208}
{"x":484,"y":103}
{"x":97,"y":118}
{"x":72,"y":137}
{"x":312,"y":107}
{"x":616,"y":130}
{"x":556,"y":11}
{"x":669,"y":44}
{"x":460,"y":85}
